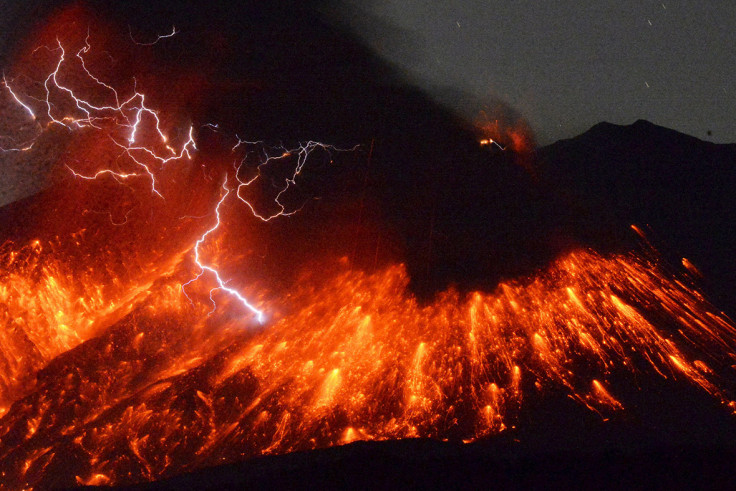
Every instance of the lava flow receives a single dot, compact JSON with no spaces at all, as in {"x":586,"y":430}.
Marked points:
{"x":131,"y":348}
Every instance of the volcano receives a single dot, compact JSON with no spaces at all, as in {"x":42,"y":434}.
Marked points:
{"x":190,"y":301}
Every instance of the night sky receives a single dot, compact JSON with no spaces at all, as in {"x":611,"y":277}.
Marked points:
{"x":562,"y":66}
{"x":566,"y":65}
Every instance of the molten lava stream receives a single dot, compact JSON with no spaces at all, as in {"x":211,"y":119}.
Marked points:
{"x":49,"y":307}
{"x":174,"y":386}
{"x":126,"y":355}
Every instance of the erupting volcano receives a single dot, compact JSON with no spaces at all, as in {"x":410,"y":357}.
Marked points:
{"x":181,"y":296}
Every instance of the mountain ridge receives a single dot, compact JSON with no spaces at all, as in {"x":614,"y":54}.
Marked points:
{"x":675,"y":186}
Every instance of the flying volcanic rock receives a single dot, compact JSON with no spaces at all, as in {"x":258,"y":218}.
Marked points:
{"x":258,"y":241}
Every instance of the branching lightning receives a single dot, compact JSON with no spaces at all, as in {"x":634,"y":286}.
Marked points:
{"x":302,"y":153}
{"x":136,"y":120}
{"x":221,"y":285}
{"x":173,"y":33}
{"x":128,"y":114}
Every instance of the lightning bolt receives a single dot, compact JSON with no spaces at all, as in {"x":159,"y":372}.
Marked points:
{"x":302,"y":153}
{"x":128,"y":114}
{"x":17,"y":99}
{"x":28,"y":145}
{"x":205,"y":268}
{"x":173,"y":33}
{"x":125,"y":121}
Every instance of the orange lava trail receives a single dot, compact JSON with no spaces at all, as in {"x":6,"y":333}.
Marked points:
{"x":172,"y":387}
{"x":112,"y":378}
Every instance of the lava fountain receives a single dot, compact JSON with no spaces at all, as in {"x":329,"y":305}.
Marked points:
{"x":135,"y":346}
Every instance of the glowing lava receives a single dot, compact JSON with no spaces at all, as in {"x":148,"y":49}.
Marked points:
{"x":174,"y":386}
{"x":111,"y":375}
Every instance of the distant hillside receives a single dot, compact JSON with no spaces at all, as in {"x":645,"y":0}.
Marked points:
{"x":676,"y":187}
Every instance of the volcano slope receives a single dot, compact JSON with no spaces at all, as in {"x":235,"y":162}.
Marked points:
{"x":438,"y":289}
{"x":668,"y":435}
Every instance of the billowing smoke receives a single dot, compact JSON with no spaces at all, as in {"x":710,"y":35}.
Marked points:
{"x":423,"y":188}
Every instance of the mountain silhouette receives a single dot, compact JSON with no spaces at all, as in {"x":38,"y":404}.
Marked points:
{"x":597,"y":185}
{"x":676,"y":187}
{"x":420,"y":188}
{"x":423,"y":190}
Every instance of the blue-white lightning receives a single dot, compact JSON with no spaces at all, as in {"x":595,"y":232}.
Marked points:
{"x":221,"y":285}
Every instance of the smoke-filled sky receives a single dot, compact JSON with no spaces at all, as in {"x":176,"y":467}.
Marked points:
{"x":566,"y":65}
{"x":563,"y":65}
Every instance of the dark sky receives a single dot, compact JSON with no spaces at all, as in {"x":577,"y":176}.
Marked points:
{"x":566,"y":65}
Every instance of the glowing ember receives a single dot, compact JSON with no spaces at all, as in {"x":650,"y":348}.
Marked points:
{"x":172,"y":387}
{"x":117,"y":369}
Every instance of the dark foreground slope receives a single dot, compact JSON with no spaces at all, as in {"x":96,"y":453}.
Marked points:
{"x":437,"y":465}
